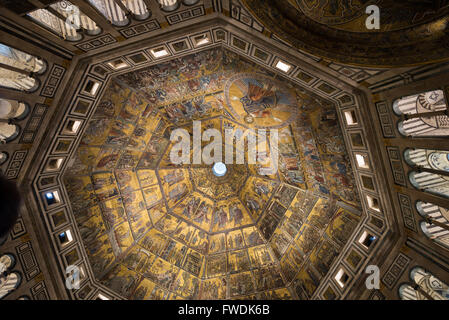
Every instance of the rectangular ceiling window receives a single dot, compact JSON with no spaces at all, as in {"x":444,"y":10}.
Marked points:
{"x":201,"y":40}
{"x":362,"y":161}
{"x":72,"y":127}
{"x":373,"y":203}
{"x":159,"y":52}
{"x":91,"y":87}
{"x":351,"y":118}
{"x":367,"y":239}
{"x":118,"y":64}
{"x":283,"y":66}
{"x":52,"y":197}
{"x":65,"y":237}
{"x":342,"y":278}
{"x":54,"y":164}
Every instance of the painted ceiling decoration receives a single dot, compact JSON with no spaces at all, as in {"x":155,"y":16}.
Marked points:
{"x":411,"y":32}
{"x":155,"y":230}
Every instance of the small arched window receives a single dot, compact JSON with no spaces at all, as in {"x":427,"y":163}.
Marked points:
{"x":406,"y":292}
{"x":427,"y":158}
{"x":15,"y":69}
{"x":437,"y":222}
{"x":425,"y":287}
{"x":75,"y":18}
{"x":8,"y":132}
{"x":65,"y":19}
{"x":433,"y":183}
{"x":3,"y":157}
{"x":11,"y":109}
{"x":9,"y":281}
{"x":17,"y":80}
{"x":168,"y":5}
{"x":432,"y":170}
{"x":20,"y":60}
{"x":111,"y":11}
{"x":50,"y":21}
{"x":189,"y":2}
{"x":138,"y":8}
{"x":424,"y":114}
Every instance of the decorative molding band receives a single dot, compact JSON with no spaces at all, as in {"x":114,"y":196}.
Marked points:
{"x":34,"y":123}
{"x":395,"y":271}
{"x":53,"y":80}
{"x":185,"y":15}
{"x":385,"y":119}
{"x":407,"y":212}
{"x":376,"y":295}
{"x":15,"y":164}
{"x":28,"y":260}
{"x":96,"y":43}
{"x":39,"y":291}
{"x":394,"y":155}
{"x":18,"y":229}
{"x":141,"y":28}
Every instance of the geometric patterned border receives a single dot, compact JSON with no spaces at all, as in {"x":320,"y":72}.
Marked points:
{"x":39,"y":291}
{"x":18,"y":229}
{"x":16,"y":164}
{"x":96,"y":43}
{"x":385,"y":120}
{"x":28,"y":260}
{"x":34,"y":123}
{"x":53,"y":80}
{"x":395,"y":271}
{"x":240,"y":14}
{"x":407,"y":212}
{"x":141,"y":28}
{"x":186,"y":15}
{"x":376,"y":295}
{"x":394,"y":155}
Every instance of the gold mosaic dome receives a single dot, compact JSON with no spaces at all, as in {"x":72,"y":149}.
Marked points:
{"x":156,"y":230}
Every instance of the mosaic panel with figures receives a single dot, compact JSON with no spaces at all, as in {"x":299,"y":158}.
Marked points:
{"x":156,"y":230}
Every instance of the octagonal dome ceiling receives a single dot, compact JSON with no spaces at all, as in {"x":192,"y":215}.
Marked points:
{"x":156,"y":230}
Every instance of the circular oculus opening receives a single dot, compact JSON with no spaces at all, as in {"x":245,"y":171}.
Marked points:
{"x":219,"y":169}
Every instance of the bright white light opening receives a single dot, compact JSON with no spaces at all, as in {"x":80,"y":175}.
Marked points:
{"x":341,"y":278}
{"x":219,"y":169}
{"x":73,"y":126}
{"x":362,"y":161}
{"x":351,"y":118}
{"x":52,"y":197}
{"x":92,"y":87}
{"x":373,"y":203}
{"x":367,"y":239}
{"x":118,"y":64}
{"x":159,"y":52}
{"x":283,"y":66}
{"x":201,"y":40}
{"x":65,"y":237}
{"x":54,"y":164}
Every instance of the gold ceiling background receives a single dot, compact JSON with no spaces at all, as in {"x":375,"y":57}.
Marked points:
{"x":153,"y":230}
